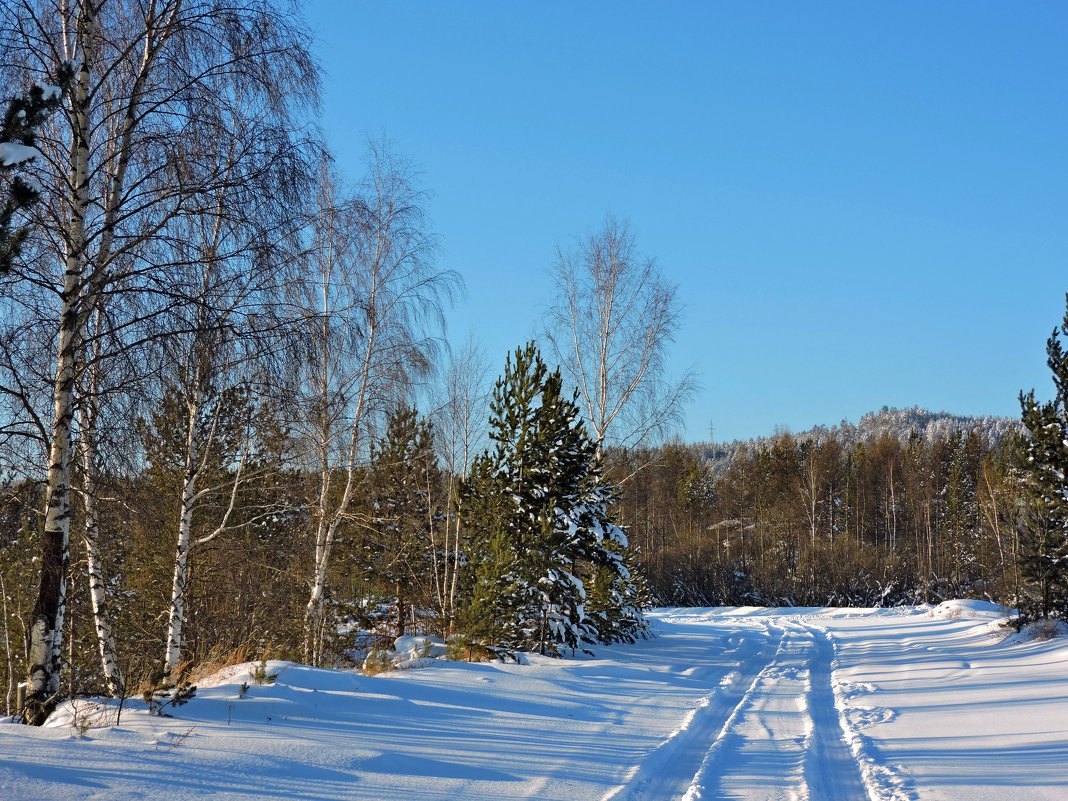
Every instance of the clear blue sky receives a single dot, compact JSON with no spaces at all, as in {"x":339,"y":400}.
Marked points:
{"x":862,"y":204}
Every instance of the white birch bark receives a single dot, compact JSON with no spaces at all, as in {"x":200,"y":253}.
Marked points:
{"x":125,"y":129}
{"x":176,"y":613}
{"x":109,"y":661}
{"x":197,"y":453}
{"x":76,"y":299}
{"x":46,"y":625}
{"x":330,"y":519}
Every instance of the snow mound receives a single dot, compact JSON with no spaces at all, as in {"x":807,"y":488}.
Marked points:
{"x":1038,"y":631}
{"x":244,"y":673}
{"x":416,"y":647}
{"x":82,"y":714}
{"x":409,"y":652}
{"x":968,"y":608}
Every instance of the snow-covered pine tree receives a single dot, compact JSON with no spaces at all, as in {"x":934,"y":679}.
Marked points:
{"x":537,"y":509}
{"x":501,"y":513}
{"x":1044,"y":535}
{"x":585,"y":543}
{"x":616,"y":595}
{"x":23,"y":116}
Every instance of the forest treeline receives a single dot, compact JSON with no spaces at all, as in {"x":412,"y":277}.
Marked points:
{"x":790,"y":521}
{"x":900,"y":424}
{"x":807,"y":520}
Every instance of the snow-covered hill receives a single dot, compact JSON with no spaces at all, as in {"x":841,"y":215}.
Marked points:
{"x":822,"y":704}
{"x":897,"y":423}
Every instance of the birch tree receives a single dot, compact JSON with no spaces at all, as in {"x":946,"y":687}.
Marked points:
{"x":372,"y":300}
{"x":609,"y":326}
{"x":460,"y":428}
{"x":234,"y":319}
{"x":143,"y":75}
{"x":88,"y":417}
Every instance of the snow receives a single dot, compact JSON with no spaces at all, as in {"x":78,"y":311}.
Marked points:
{"x":12,"y":153}
{"x":413,"y":646}
{"x":979,"y":610}
{"x":32,"y":183}
{"x":50,"y":91}
{"x":940,"y":703}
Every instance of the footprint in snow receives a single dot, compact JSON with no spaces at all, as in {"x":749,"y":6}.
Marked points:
{"x":862,"y":717}
{"x":852,"y":689}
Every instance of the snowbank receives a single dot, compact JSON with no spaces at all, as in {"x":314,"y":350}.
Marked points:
{"x":970,"y":609}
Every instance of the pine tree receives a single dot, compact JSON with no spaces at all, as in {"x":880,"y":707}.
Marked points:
{"x":405,"y":480}
{"x":1044,"y":536}
{"x":502,"y":511}
{"x":24,"y":115}
{"x":492,"y":597}
{"x":537,"y":507}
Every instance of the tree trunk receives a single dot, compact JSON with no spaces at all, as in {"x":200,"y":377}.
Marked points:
{"x":402,"y":612}
{"x":330,"y":521}
{"x":323,"y":541}
{"x":176,"y":618}
{"x":46,"y":624}
{"x":109,"y":662}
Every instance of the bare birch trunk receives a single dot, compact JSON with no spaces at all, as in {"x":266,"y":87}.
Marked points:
{"x":109,"y":661}
{"x":377,"y":289}
{"x":7,"y":652}
{"x":330,"y":520}
{"x":46,"y":624}
{"x":326,"y":533}
{"x":323,"y":543}
{"x":176,"y":615}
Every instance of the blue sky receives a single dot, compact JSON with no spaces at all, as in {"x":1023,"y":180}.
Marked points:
{"x":862,"y":204}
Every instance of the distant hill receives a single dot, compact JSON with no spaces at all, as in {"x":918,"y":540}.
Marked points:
{"x":897,"y":423}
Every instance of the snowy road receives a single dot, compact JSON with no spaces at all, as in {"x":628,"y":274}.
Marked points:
{"x":770,"y":730}
{"x":821,"y":704}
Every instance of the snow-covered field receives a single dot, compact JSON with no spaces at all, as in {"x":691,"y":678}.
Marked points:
{"x":821,"y":704}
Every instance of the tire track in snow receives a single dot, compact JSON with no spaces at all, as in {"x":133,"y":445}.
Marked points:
{"x":832,"y":773}
{"x":759,"y":751}
{"x":881,"y":781}
{"x":778,"y":728}
{"x":669,"y":769}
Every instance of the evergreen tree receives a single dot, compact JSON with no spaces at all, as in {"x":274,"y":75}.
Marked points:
{"x":24,"y":115}
{"x":537,"y":507}
{"x":1044,"y":537}
{"x":405,"y":482}
{"x":502,"y":511}
{"x":492,"y":600}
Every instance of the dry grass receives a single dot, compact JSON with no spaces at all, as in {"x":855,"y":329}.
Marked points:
{"x":463,"y":651}
{"x":1044,"y":630}
{"x":217,"y":659}
{"x":378,"y":661}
